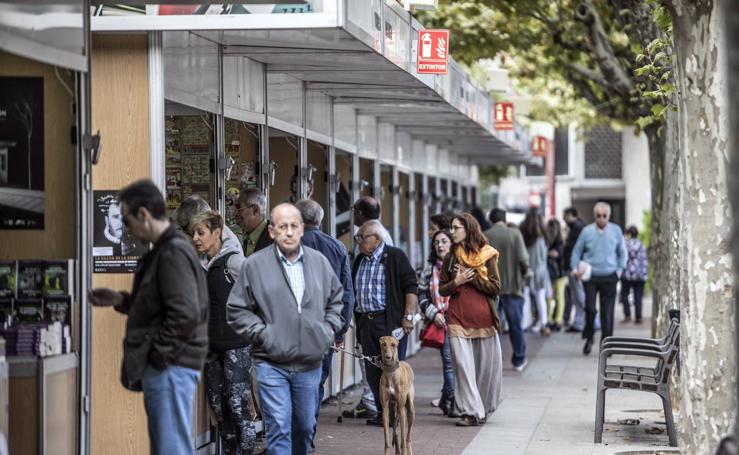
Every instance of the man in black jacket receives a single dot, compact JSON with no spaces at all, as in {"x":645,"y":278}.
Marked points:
{"x":385,"y":286}
{"x":167,"y":328}
{"x":575,"y":290}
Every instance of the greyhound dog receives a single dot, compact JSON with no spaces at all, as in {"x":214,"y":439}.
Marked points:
{"x":396,"y":396}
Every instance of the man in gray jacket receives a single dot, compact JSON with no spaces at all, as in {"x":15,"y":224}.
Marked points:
{"x":287,"y":301}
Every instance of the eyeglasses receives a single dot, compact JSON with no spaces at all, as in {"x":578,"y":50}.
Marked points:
{"x":601,"y":215}
{"x":456,"y":228}
{"x":359,"y":238}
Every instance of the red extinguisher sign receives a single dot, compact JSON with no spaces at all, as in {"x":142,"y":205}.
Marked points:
{"x":433,"y":52}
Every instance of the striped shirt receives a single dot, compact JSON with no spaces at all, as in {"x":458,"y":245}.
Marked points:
{"x":370,"y":285}
{"x":295,"y":275}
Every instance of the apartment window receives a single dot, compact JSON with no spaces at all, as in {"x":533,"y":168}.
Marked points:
{"x":603,"y":154}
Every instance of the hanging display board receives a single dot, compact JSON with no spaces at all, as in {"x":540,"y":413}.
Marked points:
{"x":22,"y":153}
{"x":504,"y":116}
{"x":115,"y":250}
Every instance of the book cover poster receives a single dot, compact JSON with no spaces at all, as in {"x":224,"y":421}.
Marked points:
{"x":6,"y":310}
{"x":21,"y":152}
{"x":55,"y":278}
{"x":7,"y":279}
{"x":115,"y":250}
{"x":29,"y":310}
{"x":57,"y":309}
{"x":30,"y":279}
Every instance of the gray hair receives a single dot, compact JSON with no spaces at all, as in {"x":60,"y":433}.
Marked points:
{"x":602,"y":205}
{"x":254,"y":197}
{"x":373,"y":227}
{"x":311,"y":211}
{"x":191,"y":206}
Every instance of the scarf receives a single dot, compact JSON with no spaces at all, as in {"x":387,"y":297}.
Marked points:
{"x":477,"y":260}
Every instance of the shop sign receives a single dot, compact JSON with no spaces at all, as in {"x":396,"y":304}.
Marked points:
{"x":433,"y":52}
{"x":540,"y":147}
{"x":503,"y":116}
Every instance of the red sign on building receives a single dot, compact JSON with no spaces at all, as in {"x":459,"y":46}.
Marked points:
{"x":503,"y":119}
{"x":540,"y":146}
{"x":433,"y":52}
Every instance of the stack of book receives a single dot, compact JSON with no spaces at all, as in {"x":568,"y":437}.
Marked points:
{"x":40,"y":340}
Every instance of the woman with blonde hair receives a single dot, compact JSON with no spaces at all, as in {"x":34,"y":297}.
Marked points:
{"x":228,"y":366}
{"x":469,"y":276}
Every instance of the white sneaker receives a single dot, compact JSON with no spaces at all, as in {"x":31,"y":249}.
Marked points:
{"x":435,"y":402}
{"x":521,"y":367}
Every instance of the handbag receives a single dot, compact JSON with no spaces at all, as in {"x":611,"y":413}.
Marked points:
{"x":433,"y":336}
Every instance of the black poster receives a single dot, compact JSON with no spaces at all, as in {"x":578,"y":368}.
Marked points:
{"x":115,"y":250}
{"x":21,"y":152}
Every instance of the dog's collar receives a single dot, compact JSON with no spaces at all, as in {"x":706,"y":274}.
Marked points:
{"x":389,"y":368}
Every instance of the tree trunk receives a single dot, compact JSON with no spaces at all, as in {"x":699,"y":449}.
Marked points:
{"x":732,"y":27}
{"x":663,"y":151}
{"x":708,"y":406}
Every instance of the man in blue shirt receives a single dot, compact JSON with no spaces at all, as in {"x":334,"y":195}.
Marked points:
{"x":337,"y":256}
{"x":601,"y":245}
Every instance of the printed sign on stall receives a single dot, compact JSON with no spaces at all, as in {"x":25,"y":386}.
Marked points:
{"x":433,"y":52}
{"x":540,"y":146}
{"x":503,"y":116}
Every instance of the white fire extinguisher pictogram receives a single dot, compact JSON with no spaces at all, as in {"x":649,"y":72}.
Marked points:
{"x":426,"y":45}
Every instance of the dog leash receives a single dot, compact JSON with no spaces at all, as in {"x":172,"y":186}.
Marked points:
{"x":374,"y":360}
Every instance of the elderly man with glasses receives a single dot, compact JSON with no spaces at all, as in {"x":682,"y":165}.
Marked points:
{"x":601,"y":245}
{"x":385,"y":285}
{"x":251,"y":211}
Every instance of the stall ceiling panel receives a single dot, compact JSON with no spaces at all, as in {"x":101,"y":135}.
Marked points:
{"x":191,"y":71}
{"x":403,"y":148}
{"x":418,"y":155}
{"x":318,"y":112}
{"x":285,"y":98}
{"x":46,"y":32}
{"x":345,"y":123}
{"x":397,"y":36}
{"x":432,"y":155}
{"x":243,"y":84}
{"x":367,"y":135}
{"x":364,"y":17}
{"x":386,"y":142}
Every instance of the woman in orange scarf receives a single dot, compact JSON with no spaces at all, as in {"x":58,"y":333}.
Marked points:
{"x":470,"y":277}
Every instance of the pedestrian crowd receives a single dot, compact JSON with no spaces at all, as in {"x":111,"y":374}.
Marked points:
{"x":262,"y":316}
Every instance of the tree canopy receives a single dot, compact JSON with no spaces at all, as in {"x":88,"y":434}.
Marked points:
{"x":613,"y":55}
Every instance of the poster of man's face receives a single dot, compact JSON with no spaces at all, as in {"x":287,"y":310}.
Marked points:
{"x":21,"y":152}
{"x":115,"y":250}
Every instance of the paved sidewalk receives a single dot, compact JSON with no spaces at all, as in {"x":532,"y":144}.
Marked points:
{"x":547,"y":409}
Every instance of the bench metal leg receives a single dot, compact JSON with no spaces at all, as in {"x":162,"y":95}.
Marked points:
{"x":600,"y":412}
{"x":667,"y":405}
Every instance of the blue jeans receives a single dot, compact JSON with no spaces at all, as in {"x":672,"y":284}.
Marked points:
{"x":513,"y":308}
{"x":447,"y":390}
{"x":288,"y":400}
{"x":168,"y":396}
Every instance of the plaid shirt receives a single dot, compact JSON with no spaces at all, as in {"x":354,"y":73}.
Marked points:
{"x":295,"y":275}
{"x":370,"y":285}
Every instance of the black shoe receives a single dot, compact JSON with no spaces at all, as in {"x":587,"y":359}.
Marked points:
{"x":572,"y":330}
{"x":359,"y":412}
{"x":375,"y":421}
{"x":588,"y":347}
{"x":467,"y":421}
